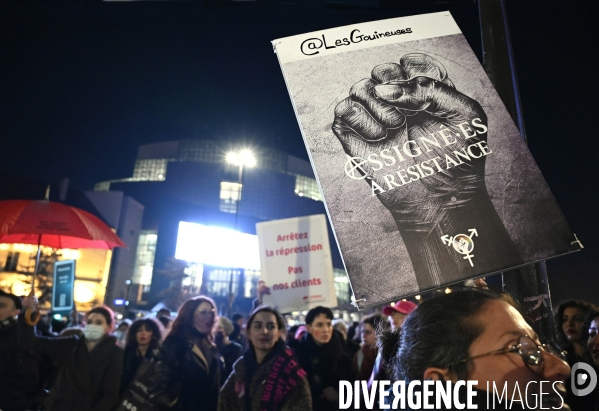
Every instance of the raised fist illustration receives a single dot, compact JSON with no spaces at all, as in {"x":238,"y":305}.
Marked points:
{"x":421,"y":145}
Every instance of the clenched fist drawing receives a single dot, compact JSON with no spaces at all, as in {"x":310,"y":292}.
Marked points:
{"x":421,"y":145}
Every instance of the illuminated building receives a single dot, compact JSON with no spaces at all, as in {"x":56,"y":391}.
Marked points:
{"x":191,"y":181}
{"x":100,"y":275}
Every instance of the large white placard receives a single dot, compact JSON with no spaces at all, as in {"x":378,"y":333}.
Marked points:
{"x":295,"y":261}
{"x":425,"y":176}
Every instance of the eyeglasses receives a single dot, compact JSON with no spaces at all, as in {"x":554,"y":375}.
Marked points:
{"x":529,"y":350}
{"x":206,"y":314}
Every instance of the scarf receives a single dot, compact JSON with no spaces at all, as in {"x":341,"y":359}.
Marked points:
{"x":284,"y":374}
{"x":8,"y":324}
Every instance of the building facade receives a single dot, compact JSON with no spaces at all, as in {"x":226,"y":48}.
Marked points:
{"x":191,"y":181}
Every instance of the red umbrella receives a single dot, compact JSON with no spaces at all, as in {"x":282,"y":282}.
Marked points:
{"x":52,"y":225}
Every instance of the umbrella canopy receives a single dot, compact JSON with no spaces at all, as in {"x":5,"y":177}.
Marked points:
{"x":53,"y":225}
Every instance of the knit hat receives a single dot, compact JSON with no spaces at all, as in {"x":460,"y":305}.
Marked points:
{"x":13,"y":297}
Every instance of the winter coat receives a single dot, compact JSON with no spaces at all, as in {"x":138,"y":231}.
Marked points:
{"x":19,"y":369}
{"x":242,"y":389}
{"x":364,"y":361}
{"x":131,"y":364}
{"x":326,"y":365}
{"x":182,"y":375}
{"x":230,"y":353}
{"x":87,"y":380}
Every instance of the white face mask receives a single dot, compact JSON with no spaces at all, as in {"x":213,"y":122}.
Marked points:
{"x":93,"y":332}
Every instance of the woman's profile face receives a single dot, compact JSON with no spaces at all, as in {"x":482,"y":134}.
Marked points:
{"x":572,"y":321}
{"x":503,"y":326}
{"x":264,"y":331}
{"x":203,"y":317}
{"x":593,"y":342}
{"x":368,"y":335}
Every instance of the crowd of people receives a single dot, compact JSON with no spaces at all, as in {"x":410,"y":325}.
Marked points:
{"x":199,"y":360}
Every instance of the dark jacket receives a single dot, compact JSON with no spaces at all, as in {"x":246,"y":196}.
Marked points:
{"x":230,"y":353}
{"x":131,"y":362}
{"x":181,"y":375}
{"x":87,"y":380}
{"x":19,"y":370}
{"x":246,"y":385}
{"x":326,"y":365}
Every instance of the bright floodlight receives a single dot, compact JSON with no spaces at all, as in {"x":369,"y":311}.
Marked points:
{"x":233,"y":158}
{"x":217,"y":246}
{"x":247,"y":158}
{"x":243,"y":158}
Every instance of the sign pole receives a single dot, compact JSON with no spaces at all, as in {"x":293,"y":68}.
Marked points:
{"x":529,"y":283}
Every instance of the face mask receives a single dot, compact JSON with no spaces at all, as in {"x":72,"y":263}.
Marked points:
{"x":93,"y":332}
{"x":219,"y":337}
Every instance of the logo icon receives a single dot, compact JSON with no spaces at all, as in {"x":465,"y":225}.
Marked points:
{"x":462,"y":243}
{"x":354,"y":168}
{"x":583,"y":379}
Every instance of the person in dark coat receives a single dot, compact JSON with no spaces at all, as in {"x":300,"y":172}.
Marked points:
{"x":322,"y":355}
{"x":90,"y":367}
{"x":268,"y":377}
{"x":142,"y":342}
{"x":364,"y":359}
{"x":19,"y":367}
{"x":237,"y":334}
{"x":230,"y":351}
{"x":188,"y":367}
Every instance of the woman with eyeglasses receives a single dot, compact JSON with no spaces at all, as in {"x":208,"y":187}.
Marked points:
{"x":188,"y":368}
{"x":477,"y":335}
{"x":268,"y":377}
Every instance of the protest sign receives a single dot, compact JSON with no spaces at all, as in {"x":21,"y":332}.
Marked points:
{"x":295,"y":263}
{"x":426,"y":179}
{"x":63,"y":285}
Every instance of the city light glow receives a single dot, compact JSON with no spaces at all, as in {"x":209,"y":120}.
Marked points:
{"x":242,"y":158}
{"x":217,"y":246}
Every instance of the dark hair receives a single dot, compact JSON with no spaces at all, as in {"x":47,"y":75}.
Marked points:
{"x":106,"y":312}
{"x":150,"y":324}
{"x":183,"y":325}
{"x":316,"y":311}
{"x":267,"y":309}
{"x":165,"y":321}
{"x":374,"y":320}
{"x":126,"y":322}
{"x":585,"y":307}
{"x":291,"y":332}
{"x":439,"y":334}
{"x":236,"y":317}
{"x":586,"y":355}
{"x":351,"y":330}
{"x":164,"y":310}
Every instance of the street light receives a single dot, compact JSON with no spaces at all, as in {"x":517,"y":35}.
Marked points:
{"x":241,"y":159}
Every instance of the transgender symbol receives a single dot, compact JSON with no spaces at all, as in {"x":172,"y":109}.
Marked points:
{"x":462,"y":243}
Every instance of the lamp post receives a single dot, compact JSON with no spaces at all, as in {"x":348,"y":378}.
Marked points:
{"x":241,"y":159}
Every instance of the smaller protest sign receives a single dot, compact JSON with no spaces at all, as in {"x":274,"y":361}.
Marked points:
{"x":63,"y":284}
{"x":295,"y":261}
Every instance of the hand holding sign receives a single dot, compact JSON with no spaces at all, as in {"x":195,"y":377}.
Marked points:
{"x":421,"y":146}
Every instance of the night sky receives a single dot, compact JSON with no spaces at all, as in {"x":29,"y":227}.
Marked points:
{"x":84,"y":84}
